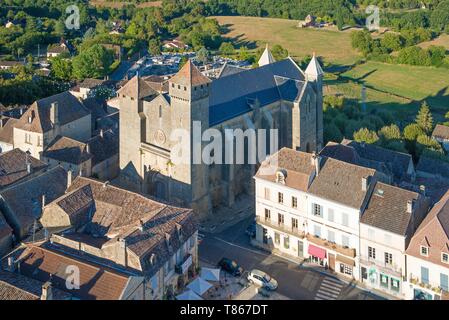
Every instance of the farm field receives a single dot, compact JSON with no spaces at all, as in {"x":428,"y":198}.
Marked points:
{"x":120,"y":4}
{"x":398,"y":88}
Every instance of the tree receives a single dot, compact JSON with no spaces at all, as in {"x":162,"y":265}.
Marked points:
{"x":412,"y":131}
{"x":279,"y":53}
{"x":154,"y":47}
{"x":61,"y":68}
{"x":440,"y":16}
{"x":93,"y":62}
{"x":391,"y":132}
{"x":392,"y":41}
{"x":227,"y":49}
{"x":203,"y":55}
{"x":424,"y":118}
{"x":332,"y":133}
{"x":366,"y":135}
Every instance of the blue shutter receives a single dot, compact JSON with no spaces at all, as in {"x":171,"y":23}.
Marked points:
{"x":425,"y":275}
{"x":444,"y":283}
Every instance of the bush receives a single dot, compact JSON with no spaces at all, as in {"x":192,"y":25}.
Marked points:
{"x":391,"y":132}
{"x":366,"y":135}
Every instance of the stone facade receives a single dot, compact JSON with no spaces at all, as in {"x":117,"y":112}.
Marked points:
{"x":149,"y":119}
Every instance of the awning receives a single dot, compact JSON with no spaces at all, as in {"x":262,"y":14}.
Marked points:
{"x":346,"y":261}
{"x":316,"y":252}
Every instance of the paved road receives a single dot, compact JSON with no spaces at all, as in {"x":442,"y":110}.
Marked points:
{"x":295,"y":282}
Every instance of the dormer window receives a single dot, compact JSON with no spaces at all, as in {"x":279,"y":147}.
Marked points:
{"x":280,"y":176}
{"x":444,"y":257}
{"x":424,"y":251}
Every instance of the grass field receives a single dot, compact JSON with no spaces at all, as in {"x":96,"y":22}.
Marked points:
{"x":442,"y":40}
{"x":397,"y":88}
{"x":120,"y":4}
{"x":332,"y":45}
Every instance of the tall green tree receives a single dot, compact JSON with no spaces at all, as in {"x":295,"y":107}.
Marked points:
{"x":94,"y":62}
{"x":424,"y":118}
{"x":366,"y":135}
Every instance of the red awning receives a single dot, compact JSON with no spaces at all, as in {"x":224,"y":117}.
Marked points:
{"x":317,"y":252}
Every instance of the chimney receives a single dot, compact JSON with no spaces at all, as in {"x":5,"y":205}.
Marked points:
{"x":122,"y":252}
{"x":69,"y":178}
{"x":178,"y":230}
{"x":167,"y":239}
{"x":11,"y":264}
{"x":141,"y":225}
{"x":43,"y":201}
{"x":87,"y":148}
{"x":101,"y":133}
{"x":365,"y":183}
{"x":422,"y":190}
{"x":29,"y":167}
{"x":47,"y":292}
{"x":316,"y":161}
{"x":410,"y":205}
{"x":152,"y":259}
{"x":54,"y":113}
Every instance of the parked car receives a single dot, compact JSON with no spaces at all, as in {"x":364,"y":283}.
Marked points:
{"x":262,"y":279}
{"x":230,"y":266}
{"x":251,"y":230}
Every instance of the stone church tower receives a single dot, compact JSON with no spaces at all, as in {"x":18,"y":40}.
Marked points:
{"x":160,"y":125}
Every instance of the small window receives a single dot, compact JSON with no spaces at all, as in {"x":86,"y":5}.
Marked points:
{"x":267,"y":214}
{"x":267,"y":194}
{"x":444,"y":257}
{"x":294,"y":202}
{"x":331,"y":236}
{"x":280,"y":219}
{"x":317,"y":231}
{"x":372,"y":253}
{"x":345,"y":241}
{"x":286,"y":242}
{"x":294,"y":223}
{"x":424,"y":251}
{"x":345,"y":219}
{"x":277,"y":238}
{"x":317,"y":210}
{"x":160,"y":112}
{"x":330,"y":215}
{"x":280,"y":197}
{"x":388,"y":258}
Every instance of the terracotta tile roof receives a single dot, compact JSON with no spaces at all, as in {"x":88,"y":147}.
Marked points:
{"x":67,"y":150}
{"x":14,"y":286}
{"x":69,"y":110}
{"x":189,"y":75}
{"x":298,"y":167}
{"x":341,"y":182}
{"x":7,"y":131}
{"x":387,"y":209}
{"x":433,"y":233}
{"x":137,"y":85}
{"x":96,"y":282}
{"x":108,"y":213}
{"x":24,"y":199}
{"x":13,"y":166}
{"x":441,"y":132}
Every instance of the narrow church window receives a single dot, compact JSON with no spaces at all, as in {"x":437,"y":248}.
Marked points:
{"x":185,"y":88}
{"x":172,"y":85}
{"x":160,"y":111}
{"x":179,"y":86}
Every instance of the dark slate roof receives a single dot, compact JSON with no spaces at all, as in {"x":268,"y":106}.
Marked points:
{"x":387,"y":209}
{"x":228,"y":70}
{"x":5,"y":229}
{"x":14,"y":286}
{"x":341,"y":182}
{"x":230,"y":95}
{"x":69,"y":109}
{"x":24,"y":199}
{"x":104,"y":147}
{"x":13,"y":166}
{"x":349,"y":154}
{"x":433,"y":166}
{"x":290,"y":90}
{"x":67,"y":150}
{"x":398,"y":162}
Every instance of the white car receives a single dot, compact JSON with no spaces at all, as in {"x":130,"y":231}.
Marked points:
{"x":262,"y":279}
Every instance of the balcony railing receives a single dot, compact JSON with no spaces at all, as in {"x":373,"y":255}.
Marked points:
{"x":416,"y":281}
{"x":346,"y":251}
{"x":381,"y":264}
{"x":281,"y":227}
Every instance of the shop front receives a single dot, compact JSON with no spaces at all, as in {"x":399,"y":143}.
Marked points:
{"x":380,"y":279}
{"x":345,"y":266}
{"x":317,"y":255}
